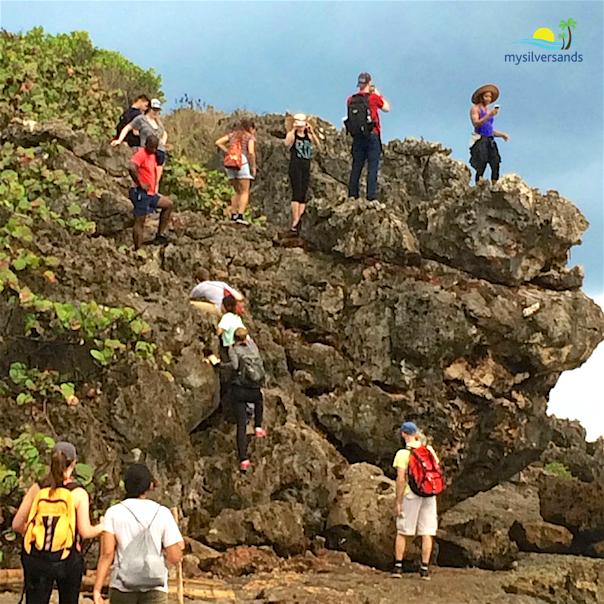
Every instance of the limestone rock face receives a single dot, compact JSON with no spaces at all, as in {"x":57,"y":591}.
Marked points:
{"x":559,"y":579}
{"x":278,"y":524}
{"x":542,"y":537}
{"x":443,"y":303}
{"x":362,"y":517}
{"x":579,"y":506}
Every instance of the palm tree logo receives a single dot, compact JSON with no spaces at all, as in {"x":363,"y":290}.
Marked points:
{"x":568,"y":24}
{"x":563,"y":35}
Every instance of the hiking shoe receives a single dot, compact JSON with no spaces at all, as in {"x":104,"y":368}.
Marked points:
{"x":260,"y":432}
{"x":244,"y":465}
{"x":397,"y":570}
{"x":424,"y":573}
{"x":161,"y":240}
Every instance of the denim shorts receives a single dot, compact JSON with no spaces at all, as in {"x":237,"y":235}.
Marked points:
{"x":242,"y":174}
{"x":143,"y":202}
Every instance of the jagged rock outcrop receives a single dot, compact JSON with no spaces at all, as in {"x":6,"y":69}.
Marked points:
{"x":424,"y":306}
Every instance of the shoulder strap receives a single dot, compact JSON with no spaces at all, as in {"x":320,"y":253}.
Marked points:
{"x":152,"y":520}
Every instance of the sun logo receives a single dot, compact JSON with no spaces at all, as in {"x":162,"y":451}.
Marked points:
{"x":545,"y":37}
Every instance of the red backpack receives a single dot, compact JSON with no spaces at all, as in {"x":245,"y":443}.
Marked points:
{"x":425,"y":476}
{"x":234,"y":157}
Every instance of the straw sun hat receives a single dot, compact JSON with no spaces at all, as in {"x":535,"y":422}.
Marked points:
{"x":477,"y":95}
{"x":300,"y":120}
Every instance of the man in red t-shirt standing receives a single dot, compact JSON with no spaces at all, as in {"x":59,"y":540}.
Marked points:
{"x":146,"y":200}
{"x":367,"y":146}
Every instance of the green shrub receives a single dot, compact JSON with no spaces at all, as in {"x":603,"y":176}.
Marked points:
{"x":65,"y":77}
{"x":195,"y":188}
{"x":559,"y":469}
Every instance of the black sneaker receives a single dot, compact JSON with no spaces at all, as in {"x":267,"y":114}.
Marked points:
{"x":397,"y":570}
{"x":424,"y":573}
{"x":161,"y":239}
{"x":242,"y":220}
{"x":234,"y":217}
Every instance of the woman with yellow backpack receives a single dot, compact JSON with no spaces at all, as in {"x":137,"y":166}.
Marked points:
{"x":53,"y":516}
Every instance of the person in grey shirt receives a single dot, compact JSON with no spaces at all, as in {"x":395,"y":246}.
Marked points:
{"x":147,"y":125}
{"x":207,"y":296}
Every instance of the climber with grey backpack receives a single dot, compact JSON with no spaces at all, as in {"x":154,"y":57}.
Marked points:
{"x":139,"y":538}
{"x":246,"y":389}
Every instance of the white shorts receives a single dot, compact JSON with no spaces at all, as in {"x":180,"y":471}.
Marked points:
{"x":243,"y":173}
{"x":419,"y":516}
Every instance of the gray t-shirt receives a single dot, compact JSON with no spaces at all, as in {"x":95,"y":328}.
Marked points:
{"x":214,"y":292}
{"x":142,"y":124}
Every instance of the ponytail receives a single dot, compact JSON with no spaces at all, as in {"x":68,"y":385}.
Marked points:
{"x":58,"y":465}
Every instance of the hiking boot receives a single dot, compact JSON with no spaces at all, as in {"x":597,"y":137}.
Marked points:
{"x":397,"y":570}
{"x":260,"y":432}
{"x":161,"y":240}
{"x":244,"y":465}
{"x":424,"y":573}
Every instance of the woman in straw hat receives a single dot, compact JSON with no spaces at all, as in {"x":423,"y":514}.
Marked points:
{"x":299,"y":138}
{"x":483,"y":148}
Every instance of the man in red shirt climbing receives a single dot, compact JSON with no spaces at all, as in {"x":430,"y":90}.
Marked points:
{"x":146,"y":200}
{"x":363,"y":124}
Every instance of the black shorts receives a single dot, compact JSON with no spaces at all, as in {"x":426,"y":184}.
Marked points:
{"x":160,"y":156}
{"x":143,"y":202}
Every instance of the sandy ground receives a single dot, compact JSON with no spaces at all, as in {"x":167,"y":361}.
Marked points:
{"x":354,"y":585}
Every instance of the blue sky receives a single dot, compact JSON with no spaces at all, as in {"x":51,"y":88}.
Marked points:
{"x":426,"y":57}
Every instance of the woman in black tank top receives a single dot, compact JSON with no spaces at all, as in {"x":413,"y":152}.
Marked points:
{"x":300,"y":140}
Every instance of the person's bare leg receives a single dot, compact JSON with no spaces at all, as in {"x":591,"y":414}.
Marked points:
{"x":399,"y":546}
{"x":426,"y":549}
{"x":232,"y":209}
{"x":138,"y":231}
{"x":165,"y":203}
{"x":301,"y":210}
{"x":158,"y":174}
{"x":244,"y":195}
{"x":295,"y":217}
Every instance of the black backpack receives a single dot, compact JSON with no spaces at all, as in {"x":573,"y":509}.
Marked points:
{"x":251,"y":368}
{"x":359,"y":116}
{"x":132,"y":139}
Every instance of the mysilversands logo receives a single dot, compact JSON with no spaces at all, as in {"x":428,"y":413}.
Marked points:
{"x":544,"y":38}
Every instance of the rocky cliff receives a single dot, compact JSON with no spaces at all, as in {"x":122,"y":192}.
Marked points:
{"x":448,"y":304}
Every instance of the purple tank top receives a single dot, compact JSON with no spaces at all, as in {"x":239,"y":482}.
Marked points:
{"x":487,"y":128}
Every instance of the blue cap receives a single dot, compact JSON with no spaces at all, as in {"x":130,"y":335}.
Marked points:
{"x":409,"y":428}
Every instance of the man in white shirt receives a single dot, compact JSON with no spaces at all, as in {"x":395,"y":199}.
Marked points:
{"x":123,"y":522}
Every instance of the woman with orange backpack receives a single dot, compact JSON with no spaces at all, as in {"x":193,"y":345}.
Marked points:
{"x":53,"y":516}
{"x":240,"y":162}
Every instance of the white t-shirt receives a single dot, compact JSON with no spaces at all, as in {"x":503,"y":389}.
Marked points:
{"x":229,"y":322}
{"x":121,"y":523}
{"x":214,"y":292}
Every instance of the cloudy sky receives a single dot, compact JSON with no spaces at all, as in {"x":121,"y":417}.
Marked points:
{"x":426,"y":57}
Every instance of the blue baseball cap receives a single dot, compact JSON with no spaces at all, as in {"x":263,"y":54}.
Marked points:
{"x":409,"y":428}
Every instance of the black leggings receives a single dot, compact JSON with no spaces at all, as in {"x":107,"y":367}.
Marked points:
{"x":240,"y":397}
{"x":40,"y":575}
{"x":299,"y":177}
